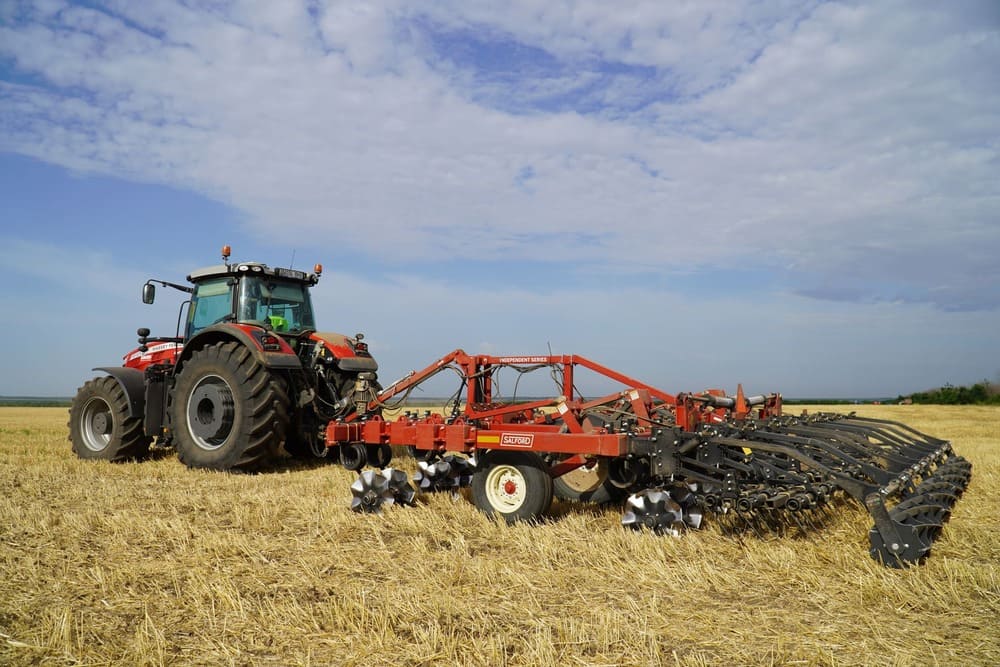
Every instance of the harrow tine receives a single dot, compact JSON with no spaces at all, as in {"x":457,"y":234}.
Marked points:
{"x":824,"y":512}
{"x":775,"y":522}
{"x":809,"y":518}
{"x":753,"y":521}
{"x":798,"y":519}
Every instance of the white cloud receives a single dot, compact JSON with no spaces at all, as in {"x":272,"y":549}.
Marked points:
{"x":841,"y":142}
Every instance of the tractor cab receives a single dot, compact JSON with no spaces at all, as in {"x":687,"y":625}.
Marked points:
{"x":251,"y":293}
{"x":276,"y":299}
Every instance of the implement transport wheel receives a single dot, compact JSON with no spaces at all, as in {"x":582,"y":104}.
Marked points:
{"x":228,"y":412}
{"x":587,"y":484}
{"x":512,"y":485}
{"x":99,"y":425}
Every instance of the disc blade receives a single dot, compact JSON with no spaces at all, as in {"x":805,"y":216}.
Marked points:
{"x":370,"y":492}
{"x":402,"y":492}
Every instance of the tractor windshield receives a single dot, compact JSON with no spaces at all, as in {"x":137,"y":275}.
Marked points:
{"x":282,"y":305}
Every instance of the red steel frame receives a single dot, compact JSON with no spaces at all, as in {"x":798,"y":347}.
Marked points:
{"x":523,"y":427}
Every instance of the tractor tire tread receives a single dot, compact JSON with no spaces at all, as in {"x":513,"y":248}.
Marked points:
{"x":128,"y":441}
{"x":262,"y":407}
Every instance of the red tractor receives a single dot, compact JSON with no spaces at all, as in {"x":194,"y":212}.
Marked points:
{"x":249,"y":375}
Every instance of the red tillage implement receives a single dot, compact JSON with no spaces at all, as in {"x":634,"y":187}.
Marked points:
{"x":677,"y":455}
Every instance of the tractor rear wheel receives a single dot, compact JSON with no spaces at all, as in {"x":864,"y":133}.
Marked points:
{"x":99,"y":424}
{"x":512,"y":485}
{"x":228,"y":411}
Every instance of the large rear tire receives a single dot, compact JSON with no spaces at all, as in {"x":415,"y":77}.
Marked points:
{"x":99,"y":424}
{"x":228,"y":412}
{"x":512,"y":485}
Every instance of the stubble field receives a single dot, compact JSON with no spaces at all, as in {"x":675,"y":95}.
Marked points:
{"x":153,"y":563}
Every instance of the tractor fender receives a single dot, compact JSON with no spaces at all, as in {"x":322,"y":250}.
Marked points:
{"x":133,"y":384}
{"x":243,"y":334}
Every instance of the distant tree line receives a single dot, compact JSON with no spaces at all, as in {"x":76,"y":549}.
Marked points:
{"x":34,"y":402}
{"x":981,"y":393}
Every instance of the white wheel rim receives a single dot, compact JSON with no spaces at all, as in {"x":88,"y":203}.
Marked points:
{"x":96,"y":424}
{"x":506,"y":488}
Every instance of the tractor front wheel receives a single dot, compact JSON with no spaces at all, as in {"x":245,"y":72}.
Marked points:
{"x":228,"y":411}
{"x":100,"y":426}
{"x":512,"y":485}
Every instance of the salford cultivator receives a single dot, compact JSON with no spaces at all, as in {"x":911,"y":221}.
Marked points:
{"x":250,"y":379}
{"x":675,"y":457}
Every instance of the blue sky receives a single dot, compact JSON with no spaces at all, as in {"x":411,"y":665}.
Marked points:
{"x":800,"y":196}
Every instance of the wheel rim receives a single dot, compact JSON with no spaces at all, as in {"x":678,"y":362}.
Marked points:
{"x":96,"y":424}
{"x":506,"y":488}
{"x":211,"y":412}
{"x":587,"y":478}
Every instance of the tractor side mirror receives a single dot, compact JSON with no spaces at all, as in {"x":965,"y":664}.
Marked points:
{"x":148,"y":293}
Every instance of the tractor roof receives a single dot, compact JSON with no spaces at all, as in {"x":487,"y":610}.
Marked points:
{"x":252,"y":268}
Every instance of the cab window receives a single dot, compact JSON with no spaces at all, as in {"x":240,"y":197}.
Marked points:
{"x":211,"y":303}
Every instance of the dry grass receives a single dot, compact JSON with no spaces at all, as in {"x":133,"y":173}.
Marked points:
{"x":153,"y":563}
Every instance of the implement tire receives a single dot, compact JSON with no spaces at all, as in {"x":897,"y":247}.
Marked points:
{"x":228,"y":412}
{"x":588,"y":484}
{"x":99,"y":425}
{"x":514,"y":486}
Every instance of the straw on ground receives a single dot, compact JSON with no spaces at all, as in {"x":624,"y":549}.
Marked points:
{"x":153,"y":563}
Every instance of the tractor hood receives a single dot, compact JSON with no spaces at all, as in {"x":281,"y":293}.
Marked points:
{"x":351,"y":354}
